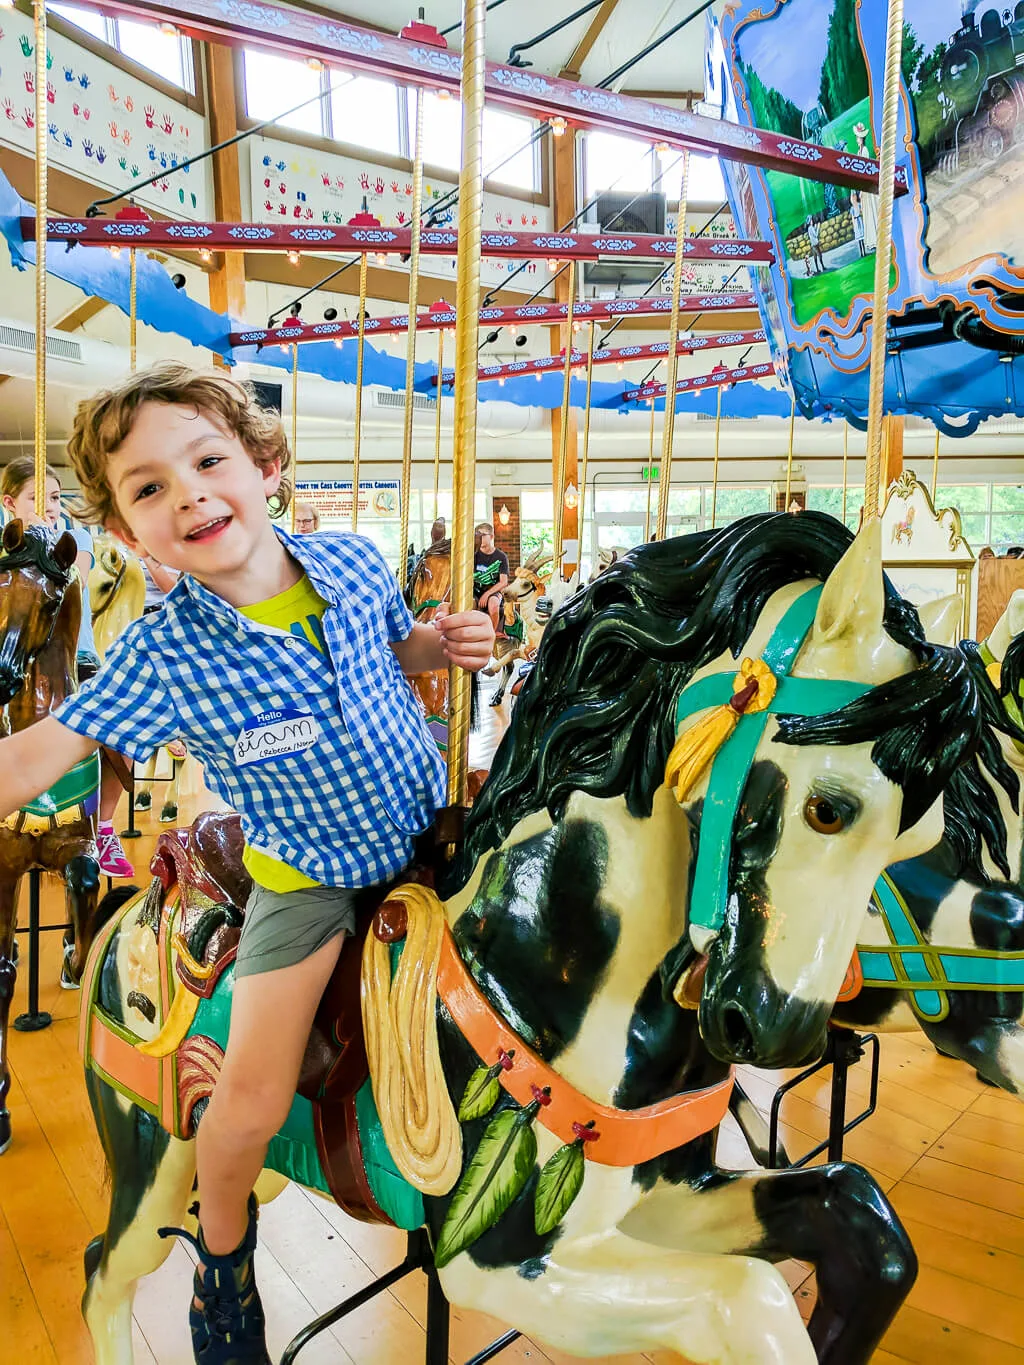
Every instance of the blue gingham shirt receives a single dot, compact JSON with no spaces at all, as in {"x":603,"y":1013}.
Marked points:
{"x":343,"y":811}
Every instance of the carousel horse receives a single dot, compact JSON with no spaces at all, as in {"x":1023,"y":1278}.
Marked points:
{"x":117,"y":590}
{"x":726,"y":740}
{"x":522,"y":624}
{"x":40,"y":613}
{"x":605,"y":559}
{"x":942,"y":947}
{"x":429,"y":585}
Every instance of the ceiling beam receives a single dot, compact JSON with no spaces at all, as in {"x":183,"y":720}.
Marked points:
{"x":574,"y":64}
{"x":79,"y":315}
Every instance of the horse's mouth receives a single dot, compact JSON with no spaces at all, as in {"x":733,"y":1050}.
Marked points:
{"x":690,"y":985}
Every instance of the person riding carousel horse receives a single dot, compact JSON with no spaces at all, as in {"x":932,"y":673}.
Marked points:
{"x":725,"y":740}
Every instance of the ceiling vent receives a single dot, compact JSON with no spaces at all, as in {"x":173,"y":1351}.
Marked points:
{"x":57,"y":347}
{"x":389,"y":398}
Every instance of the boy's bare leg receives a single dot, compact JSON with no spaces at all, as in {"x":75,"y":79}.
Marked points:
{"x":271,"y":1017}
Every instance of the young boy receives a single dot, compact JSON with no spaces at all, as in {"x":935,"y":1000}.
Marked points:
{"x":280,"y":661}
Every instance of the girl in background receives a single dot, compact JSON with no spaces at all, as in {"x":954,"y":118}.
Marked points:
{"x":17,"y":493}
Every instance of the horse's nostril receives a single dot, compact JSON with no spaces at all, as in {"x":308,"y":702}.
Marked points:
{"x":737,"y":1032}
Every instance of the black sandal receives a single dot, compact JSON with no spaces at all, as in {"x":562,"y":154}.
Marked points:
{"x":229,"y":1327}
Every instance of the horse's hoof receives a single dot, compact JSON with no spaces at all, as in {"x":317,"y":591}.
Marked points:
{"x":168,"y":814}
{"x":496,"y":701}
{"x":15,"y":953}
{"x":93,"y":1256}
{"x":5,"y":1131}
{"x":143,"y":800}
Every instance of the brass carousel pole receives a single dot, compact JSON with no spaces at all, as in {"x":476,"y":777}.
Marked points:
{"x":563,"y":435}
{"x":467,"y":322}
{"x":935,"y":467}
{"x":295,"y":426}
{"x":714,"y":468}
{"x":650,"y":478}
{"x":410,"y":354}
{"x":846,"y":457}
{"x":437,"y":417}
{"x":586,"y":436}
{"x":883,"y":258}
{"x":133,"y":312}
{"x":360,"y":352}
{"x":669,"y":429}
{"x":41,"y":209}
{"x":789,"y":456}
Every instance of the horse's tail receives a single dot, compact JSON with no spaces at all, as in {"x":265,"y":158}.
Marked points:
{"x":400,"y":1027}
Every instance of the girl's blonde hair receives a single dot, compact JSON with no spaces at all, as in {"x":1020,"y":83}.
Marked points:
{"x":102,"y":425}
{"x":17,"y":473}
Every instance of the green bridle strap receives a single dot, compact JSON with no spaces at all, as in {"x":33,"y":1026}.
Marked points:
{"x":425,"y":606}
{"x":728,"y":777}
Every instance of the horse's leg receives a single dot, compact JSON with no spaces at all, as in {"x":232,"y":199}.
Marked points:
{"x":144,"y":787}
{"x":8,"y":976}
{"x":506,"y":678}
{"x":169,"y":809}
{"x":82,"y":890}
{"x":610,"y":1294}
{"x":986,"y":1039}
{"x":836,"y":1217}
{"x":152,"y":1176}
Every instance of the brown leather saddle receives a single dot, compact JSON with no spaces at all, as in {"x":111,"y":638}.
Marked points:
{"x":205,"y":863}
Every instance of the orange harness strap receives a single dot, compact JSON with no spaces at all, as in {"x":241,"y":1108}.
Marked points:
{"x":619,"y":1137}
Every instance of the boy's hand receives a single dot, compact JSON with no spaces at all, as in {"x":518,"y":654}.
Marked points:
{"x":468,"y":637}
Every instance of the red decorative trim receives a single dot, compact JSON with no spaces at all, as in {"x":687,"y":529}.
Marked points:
{"x":700,"y":381}
{"x":440,"y":316}
{"x":302,"y":33}
{"x":371,"y":237}
{"x":617,"y":1137}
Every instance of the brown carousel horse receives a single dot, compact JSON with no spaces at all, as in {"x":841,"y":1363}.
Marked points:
{"x":429,"y":586}
{"x":40,"y":613}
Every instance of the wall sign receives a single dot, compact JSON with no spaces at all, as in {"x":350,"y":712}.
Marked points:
{"x":379,"y":499}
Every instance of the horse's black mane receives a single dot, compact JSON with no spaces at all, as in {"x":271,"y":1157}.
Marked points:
{"x":36,"y":551}
{"x":598,"y":712}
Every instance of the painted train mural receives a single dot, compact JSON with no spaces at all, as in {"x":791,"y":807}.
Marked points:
{"x":813,"y":69}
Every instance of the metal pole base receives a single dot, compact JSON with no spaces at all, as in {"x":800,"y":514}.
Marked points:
{"x":34,"y":1020}
{"x":844,"y":1049}
{"x":33,"y":1023}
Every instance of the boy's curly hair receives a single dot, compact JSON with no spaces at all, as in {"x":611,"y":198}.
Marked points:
{"x":102,"y":424}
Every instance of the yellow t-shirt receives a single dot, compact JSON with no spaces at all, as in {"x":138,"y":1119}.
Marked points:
{"x":298,"y":610}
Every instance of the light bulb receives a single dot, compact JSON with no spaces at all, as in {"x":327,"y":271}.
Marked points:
{"x":558,"y":125}
{"x":293,"y":258}
{"x":115,"y":251}
{"x":205,"y":254}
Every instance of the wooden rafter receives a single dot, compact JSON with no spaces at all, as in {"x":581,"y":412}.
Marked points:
{"x":574,"y":64}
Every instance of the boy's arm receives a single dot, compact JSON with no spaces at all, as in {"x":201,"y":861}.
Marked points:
{"x":465,"y":639}
{"x":32,"y":760}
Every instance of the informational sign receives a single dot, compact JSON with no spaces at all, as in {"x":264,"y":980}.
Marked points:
{"x":102,"y":124}
{"x":707,"y":276}
{"x":291,"y":184}
{"x":379,"y":499}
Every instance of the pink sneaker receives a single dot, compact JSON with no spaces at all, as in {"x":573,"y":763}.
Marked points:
{"x":111,"y":855}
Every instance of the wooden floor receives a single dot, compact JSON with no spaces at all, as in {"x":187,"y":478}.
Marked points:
{"x":948,"y":1150}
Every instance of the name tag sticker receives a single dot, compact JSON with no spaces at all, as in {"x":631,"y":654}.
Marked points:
{"x":275,"y":734}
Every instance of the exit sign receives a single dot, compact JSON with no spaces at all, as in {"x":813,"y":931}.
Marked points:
{"x":649,"y":473}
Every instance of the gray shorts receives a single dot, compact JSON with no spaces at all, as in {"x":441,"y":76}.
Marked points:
{"x":285,"y":927}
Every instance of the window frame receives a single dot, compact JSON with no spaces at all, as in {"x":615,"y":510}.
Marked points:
{"x":107,"y":52}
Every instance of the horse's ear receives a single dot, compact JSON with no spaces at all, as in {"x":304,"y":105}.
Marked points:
{"x":65,"y":552}
{"x":941,"y":619}
{"x":14,"y":534}
{"x":853,"y":602}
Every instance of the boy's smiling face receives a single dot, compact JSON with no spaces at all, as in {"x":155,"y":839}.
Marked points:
{"x":189,"y":493}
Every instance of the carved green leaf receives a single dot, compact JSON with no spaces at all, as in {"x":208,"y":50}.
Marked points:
{"x":559,"y":1183}
{"x":481,"y":1094}
{"x":500,"y":1168}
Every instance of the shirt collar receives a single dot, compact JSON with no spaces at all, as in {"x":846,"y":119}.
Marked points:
{"x":308,"y":551}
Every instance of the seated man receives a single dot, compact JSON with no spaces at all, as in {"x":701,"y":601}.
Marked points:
{"x":490,"y":573}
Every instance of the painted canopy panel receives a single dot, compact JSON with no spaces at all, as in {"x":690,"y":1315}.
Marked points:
{"x":812,"y":69}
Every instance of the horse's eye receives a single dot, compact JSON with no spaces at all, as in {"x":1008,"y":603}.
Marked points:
{"x":823,"y":815}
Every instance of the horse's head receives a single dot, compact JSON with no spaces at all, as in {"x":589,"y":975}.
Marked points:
{"x":117,"y":592}
{"x":33,"y":580}
{"x":811,"y":816}
{"x":797,"y":792}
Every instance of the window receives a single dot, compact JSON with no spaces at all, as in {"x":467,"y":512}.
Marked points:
{"x":366,"y":112}
{"x":167,"y":53}
{"x":274,"y":84}
{"x":510,"y":154}
{"x":705,"y":184}
{"x":831,"y":500}
{"x":990,"y":514}
{"x":536,"y":523}
{"x":611,"y":162}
